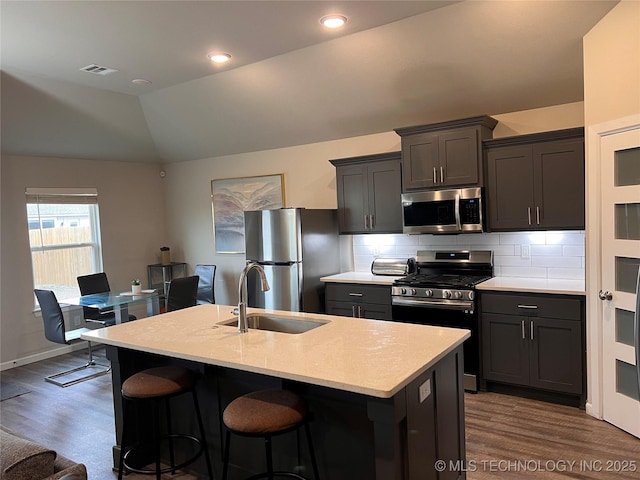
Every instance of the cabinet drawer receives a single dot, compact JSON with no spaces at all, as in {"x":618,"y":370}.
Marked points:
{"x":551,"y":306}
{"x":357,"y":293}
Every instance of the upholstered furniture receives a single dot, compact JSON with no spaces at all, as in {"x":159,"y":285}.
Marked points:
{"x":97,"y":283}
{"x":267,"y":413}
{"x":206,"y":291}
{"x":148,"y":390}
{"x":182,"y":293}
{"x":55,"y":331}
{"x":23,"y":459}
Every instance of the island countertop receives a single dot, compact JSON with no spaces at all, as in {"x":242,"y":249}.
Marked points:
{"x":371,"y":357}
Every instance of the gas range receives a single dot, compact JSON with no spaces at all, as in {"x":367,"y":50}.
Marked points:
{"x":444,"y":279}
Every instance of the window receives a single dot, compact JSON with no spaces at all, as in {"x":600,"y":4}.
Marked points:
{"x":64,"y":235}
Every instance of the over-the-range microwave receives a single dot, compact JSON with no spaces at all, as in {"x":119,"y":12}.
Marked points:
{"x":443,"y":211}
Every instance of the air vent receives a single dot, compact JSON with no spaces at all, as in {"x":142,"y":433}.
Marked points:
{"x":98,"y":69}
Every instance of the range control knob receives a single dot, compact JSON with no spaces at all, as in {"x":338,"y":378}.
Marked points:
{"x":471,"y":295}
{"x":428,"y":293}
{"x":457,"y":295}
{"x":446,"y":294}
{"x":403,"y":291}
{"x":413,"y":291}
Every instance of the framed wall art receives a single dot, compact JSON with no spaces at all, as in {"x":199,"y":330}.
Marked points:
{"x":231,"y":197}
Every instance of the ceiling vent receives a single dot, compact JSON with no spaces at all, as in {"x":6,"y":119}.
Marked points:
{"x":98,"y":69}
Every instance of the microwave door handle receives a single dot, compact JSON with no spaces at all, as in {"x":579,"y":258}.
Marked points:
{"x":457,"y":210}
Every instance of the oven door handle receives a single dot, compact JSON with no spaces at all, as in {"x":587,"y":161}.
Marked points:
{"x":457,"y":209}
{"x":444,"y":304}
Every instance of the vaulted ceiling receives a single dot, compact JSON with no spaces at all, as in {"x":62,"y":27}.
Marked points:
{"x":289,"y":82}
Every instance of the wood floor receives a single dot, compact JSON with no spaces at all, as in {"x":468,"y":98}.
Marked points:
{"x":507,"y":437}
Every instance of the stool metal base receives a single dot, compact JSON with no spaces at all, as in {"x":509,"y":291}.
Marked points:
{"x":172,"y":468}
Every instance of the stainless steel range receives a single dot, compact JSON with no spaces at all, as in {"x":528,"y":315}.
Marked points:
{"x":442,"y":292}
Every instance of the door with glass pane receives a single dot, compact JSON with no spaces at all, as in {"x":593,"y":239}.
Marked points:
{"x":620,"y":210}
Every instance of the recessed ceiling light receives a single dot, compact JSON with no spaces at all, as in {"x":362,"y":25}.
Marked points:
{"x":219,"y":57}
{"x":333,"y":21}
{"x":141,"y":81}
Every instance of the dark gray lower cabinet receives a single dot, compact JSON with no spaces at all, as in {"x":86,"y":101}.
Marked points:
{"x":535,"y":341}
{"x":359,"y":301}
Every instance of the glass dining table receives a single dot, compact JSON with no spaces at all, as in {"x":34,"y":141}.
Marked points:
{"x":118,"y":302}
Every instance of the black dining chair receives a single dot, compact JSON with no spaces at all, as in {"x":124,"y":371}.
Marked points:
{"x":55,"y":331}
{"x":97,"y":283}
{"x":183,"y":293}
{"x":206,"y":274}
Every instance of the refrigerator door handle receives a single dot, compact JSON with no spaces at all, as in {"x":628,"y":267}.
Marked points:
{"x":636,"y":327}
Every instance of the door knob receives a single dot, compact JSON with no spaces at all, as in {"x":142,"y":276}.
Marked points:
{"x":605,"y":295}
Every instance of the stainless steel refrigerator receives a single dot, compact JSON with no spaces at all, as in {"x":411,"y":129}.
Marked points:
{"x":296,"y":247}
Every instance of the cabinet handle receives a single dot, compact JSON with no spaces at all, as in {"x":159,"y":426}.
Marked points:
{"x":371,"y":221}
{"x":538,"y":215}
{"x":359,"y":311}
{"x":523,"y":332}
{"x":530,"y":307}
{"x":529,"y":214}
{"x":353,"y":310}
{"x":441,"y":174}
{"x":365,"y":222}
{"x":531,"y":329}
{"x":352,"y":294}
{"x":435,"y":179}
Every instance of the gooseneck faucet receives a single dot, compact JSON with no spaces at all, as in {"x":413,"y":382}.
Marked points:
{"x":242,"y":293}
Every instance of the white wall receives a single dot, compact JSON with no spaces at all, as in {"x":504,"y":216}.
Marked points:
{"x":309,"y":183}
{"x":131,"y":204}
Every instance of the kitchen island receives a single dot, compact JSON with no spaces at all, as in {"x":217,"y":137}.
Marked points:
{"x":387,"y":397}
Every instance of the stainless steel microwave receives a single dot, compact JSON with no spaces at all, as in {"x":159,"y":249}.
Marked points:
{"x":442,"y":211}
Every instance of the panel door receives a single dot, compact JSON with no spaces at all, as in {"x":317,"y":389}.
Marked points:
{"x":559,"y":184}
{"x":505,"y":348}
{"x":510,"y":188}
{"x":459,"y":157}
{"x":385,"y":189}
{"x":620,"y":231}
{"x":556,"y":354}
{"x":420,"y":164}
{"x":353,"y":198}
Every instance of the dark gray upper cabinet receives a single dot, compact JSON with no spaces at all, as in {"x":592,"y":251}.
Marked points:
{"x":369,"y":189}
{"x":536,"y":182}
{"x":445,"y":154}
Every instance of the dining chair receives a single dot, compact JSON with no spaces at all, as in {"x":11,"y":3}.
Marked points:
{"x":97,"y":283}
{"x":207,"y":274}
{"x":183,"y":293}
{"x":55,"y":331}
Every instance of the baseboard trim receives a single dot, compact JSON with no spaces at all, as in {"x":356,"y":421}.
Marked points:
{"x":18,"y":362}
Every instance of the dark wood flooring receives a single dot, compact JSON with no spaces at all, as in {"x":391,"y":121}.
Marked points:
{"x":507,"y":437}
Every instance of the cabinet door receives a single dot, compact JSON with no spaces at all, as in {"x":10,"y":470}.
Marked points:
{"x":376,"y":312}
{"x":510,"y":188}
{"x":353,"y":198}
{"x":342,"y":309}
{"x":385,"y":206}
{"x":505,"y":348}
{"x":559,"y":183}
{"x":458,"y":156}
{"x":556,"y":356}
{"x":420,"y":164}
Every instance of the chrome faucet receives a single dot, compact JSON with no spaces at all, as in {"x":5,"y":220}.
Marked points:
{"x":242,"y":293}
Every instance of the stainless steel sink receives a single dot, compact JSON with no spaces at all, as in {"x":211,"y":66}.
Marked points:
{"x":277,"y":324}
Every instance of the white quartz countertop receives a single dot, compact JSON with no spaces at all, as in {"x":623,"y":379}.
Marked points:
{"x":534,"y":285}
{"x":360,"y":277}
{"x":370,"y":357}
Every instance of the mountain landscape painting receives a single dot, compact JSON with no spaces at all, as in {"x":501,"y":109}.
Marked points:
{"x":231,"y":197}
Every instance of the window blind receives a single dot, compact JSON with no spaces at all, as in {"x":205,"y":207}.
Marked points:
{"x":62,"y":195}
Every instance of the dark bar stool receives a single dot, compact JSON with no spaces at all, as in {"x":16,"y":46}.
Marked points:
{"x":152,"y":387}
{"x":265,"y":414}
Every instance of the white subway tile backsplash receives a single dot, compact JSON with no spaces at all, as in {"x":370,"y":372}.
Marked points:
{"x":556,"y":262}
{"x":557,"y":254}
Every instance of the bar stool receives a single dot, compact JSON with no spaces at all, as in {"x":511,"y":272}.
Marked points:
{"x":267,"y":413}
{"x":152,"y":387}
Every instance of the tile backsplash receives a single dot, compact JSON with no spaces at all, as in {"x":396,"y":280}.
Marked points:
{"x":554,"y":254}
